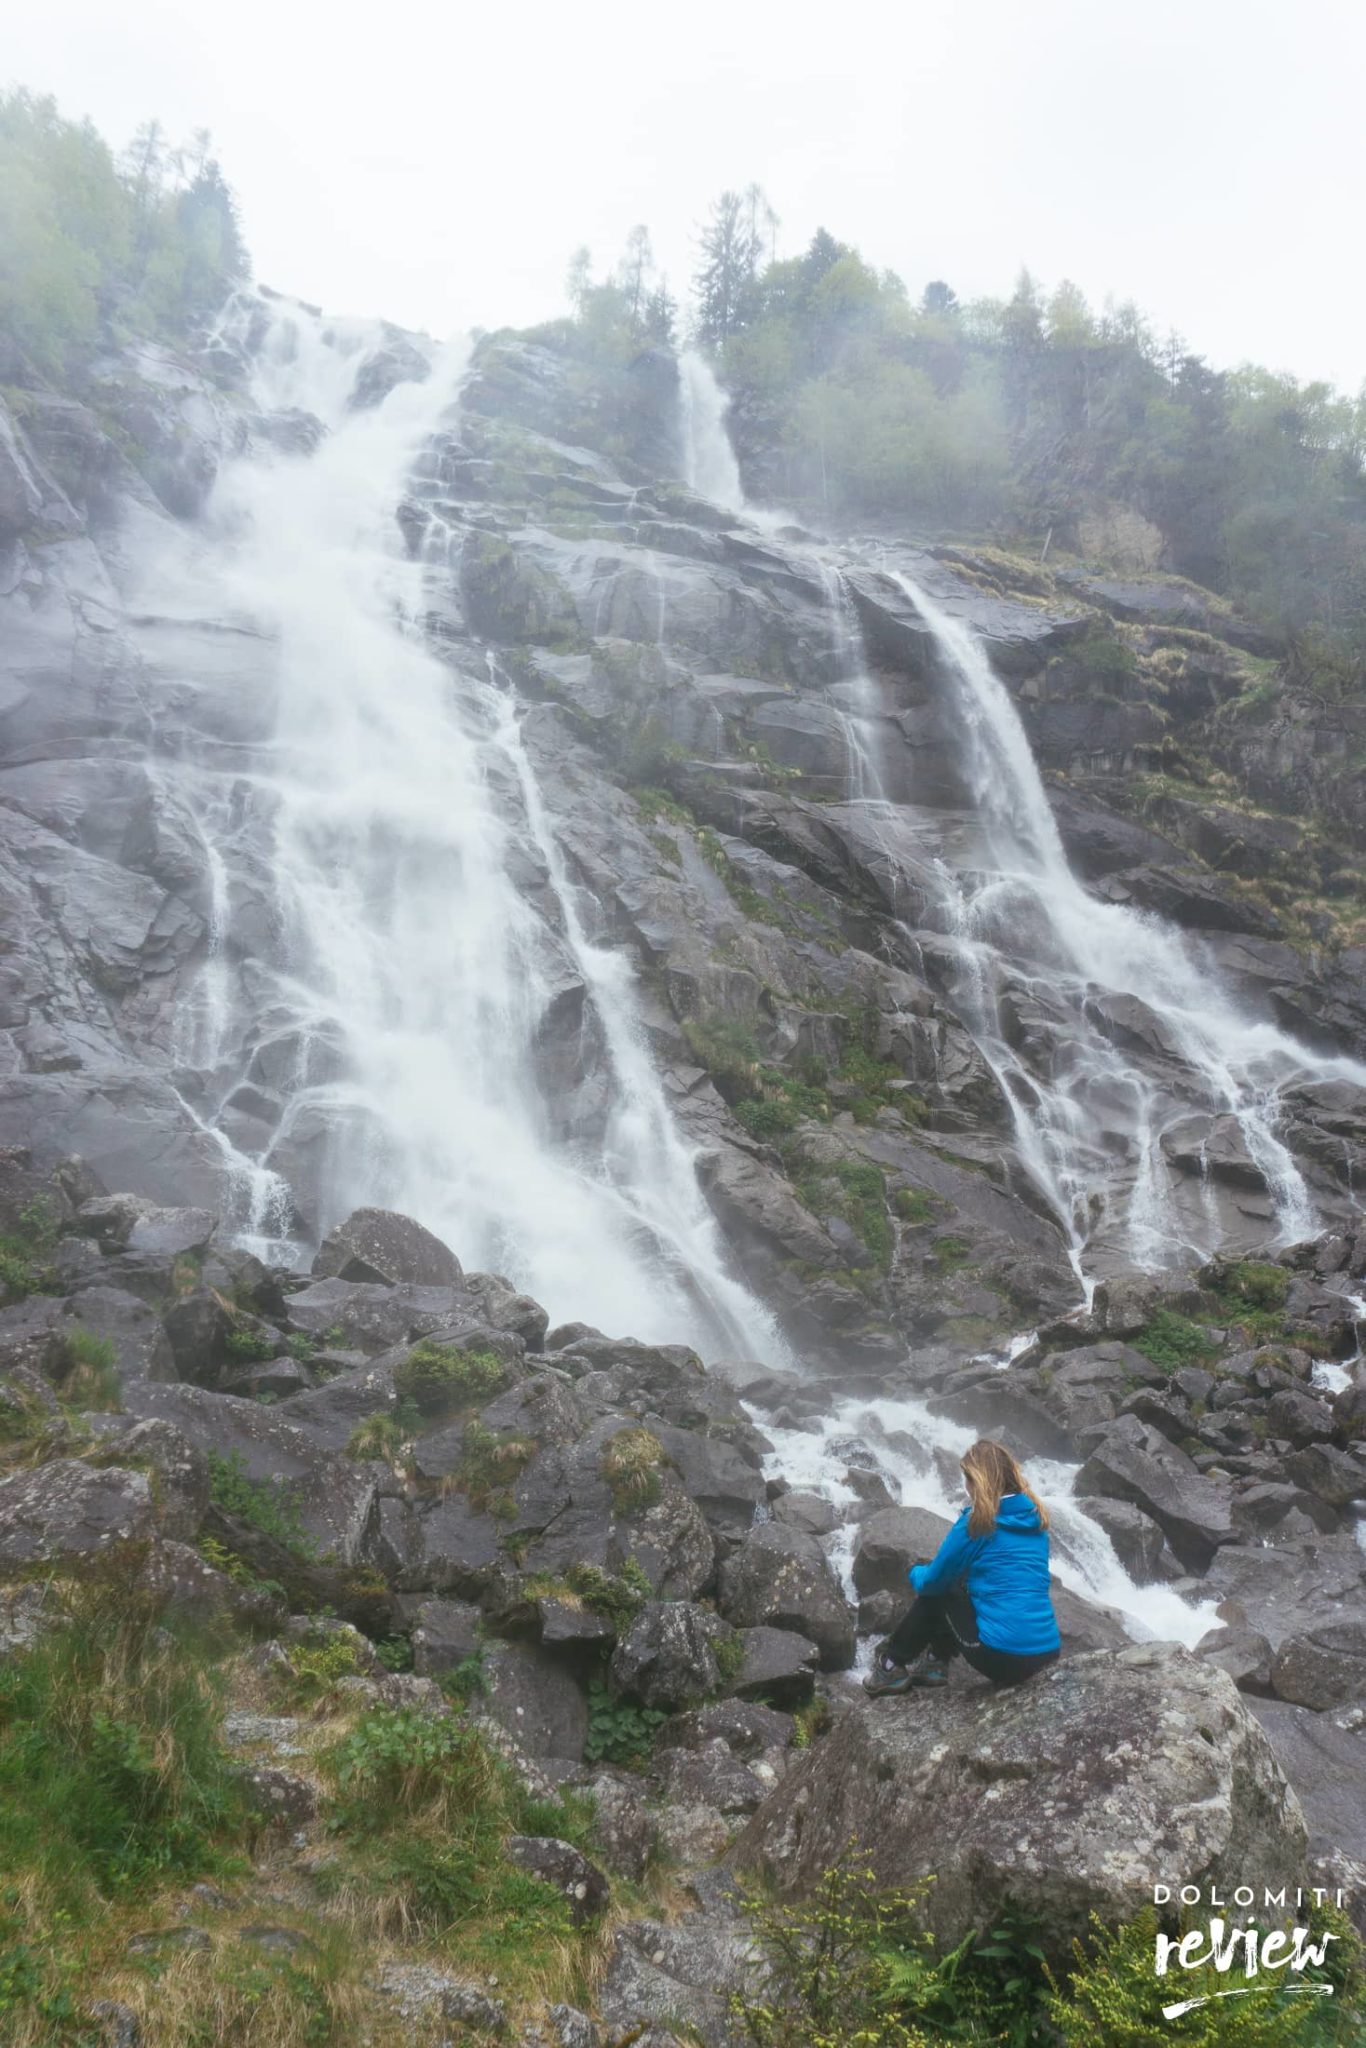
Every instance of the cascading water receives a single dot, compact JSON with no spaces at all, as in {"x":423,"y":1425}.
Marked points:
{"x":709,"y":465}
{"x":409,"y":994}
{"x":1023,"y":921}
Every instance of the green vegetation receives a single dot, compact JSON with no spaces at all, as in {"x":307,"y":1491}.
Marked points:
{"x":385,"y":1435}
{"x":630,"y":1465}
{"x":490,"y":1460}
{"x":855,"y":1191}
{"x":619,"y":1733}
{"x":145,"y":246}
{"x":89,"y":1378}
{"x":916,"y":1206}
{"x":851,"y":1963}
{"x":422,"y":1808}
{"x":25,"y":1253}
{"x":252,"y":1346}
{"x":438,"y":1378}
{"x":264,"y":1504}
{"x":324,"y":1656}
{"x":617,"y":1596}
{"x":1171,"y":1341}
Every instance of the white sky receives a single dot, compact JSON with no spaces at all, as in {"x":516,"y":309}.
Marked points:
{"x":437,"y":162}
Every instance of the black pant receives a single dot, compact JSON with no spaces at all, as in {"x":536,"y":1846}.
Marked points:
{"x":946,"y":1623}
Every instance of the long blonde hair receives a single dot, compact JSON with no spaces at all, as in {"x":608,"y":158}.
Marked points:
{"x":990,"y":1473}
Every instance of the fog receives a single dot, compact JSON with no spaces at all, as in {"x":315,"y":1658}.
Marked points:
{"x":439,"y":164}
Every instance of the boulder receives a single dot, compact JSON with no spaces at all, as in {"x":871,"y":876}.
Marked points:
{"x":1242,"y":1653}
{"x":380,"y":1246}
{"x":180,"y":1473}
{"x":889,"y":1543}
{"x":142,"y":1350}
{"x":779,"y":1667}
{"x":667,"y":1658}
{"x":679,"y":1975}
{"x":1062,"y":1797}
{"x":1136,"y":1463}
{"x":567,"y":1869}
{"x":745,"y":1727}
{"x":712,"y":1776}
{"x":1137,"y":1540}
{"x":445,"y":1633}
{"x":532,"y":1696}
{"x":1326,"y":1764}
{"x":1324,"y":1667}
{"x":782,"y":1578}
{"x":1279,"y":1589}
{"x":66,"y":1510}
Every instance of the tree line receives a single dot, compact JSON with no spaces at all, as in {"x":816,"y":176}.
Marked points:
{"x":91,"y":245}
{"x":1018,"y":417}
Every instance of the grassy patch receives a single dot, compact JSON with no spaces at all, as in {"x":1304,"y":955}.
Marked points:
{"x":1171,"y":1341}
{"x":631,"y":1461}
{"x":856,"y":1191}
{"x":490,"y":1460}
{"x":90,"y":1379}
{"x":438,"y":1378}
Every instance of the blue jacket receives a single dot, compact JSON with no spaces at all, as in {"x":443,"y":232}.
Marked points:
{"x":1007,"y":1578}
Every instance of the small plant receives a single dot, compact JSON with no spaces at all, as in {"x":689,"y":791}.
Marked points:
{"x":380,"y":1436}
{"x":490,"y":1460}
{"x":619,"y":1733}
{"x":395,"y":1653}
{"x":951,"y":1254}
{"x":729,"y":1652}
{"x":856,"y":1191}
{"x":265,"y":1504}
{"x":1171,"y":1341}
{"x":252,"y":1347}
{"x":630,"y":1465}
{"x":90,"y":1378}
{"x":438,"y":1377}
{"x":618,"y":1597}
{"x":915,"y":1205}
{"x":220,"y":1559}
{"x":324,"y":1657}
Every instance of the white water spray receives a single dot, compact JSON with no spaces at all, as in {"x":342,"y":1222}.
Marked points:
{"x":709,"y":465}
{"x":414,"y":987}
{"x":1024,"y":923}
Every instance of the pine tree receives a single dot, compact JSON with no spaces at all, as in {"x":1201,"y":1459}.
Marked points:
{"x":723,"y":286}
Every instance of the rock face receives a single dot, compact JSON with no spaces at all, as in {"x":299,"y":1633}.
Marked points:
{"x":377,"y":1245}
{"x":1066,"y":1794}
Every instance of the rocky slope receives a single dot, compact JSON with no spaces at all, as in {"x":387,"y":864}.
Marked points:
{"x":690,"y":683}
{"x":396,"y":1455}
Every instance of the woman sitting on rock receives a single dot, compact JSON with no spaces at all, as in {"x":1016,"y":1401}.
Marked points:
{"x":985,"y":1596}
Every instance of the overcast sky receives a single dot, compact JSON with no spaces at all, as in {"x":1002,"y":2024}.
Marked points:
{"x":437,"y":162}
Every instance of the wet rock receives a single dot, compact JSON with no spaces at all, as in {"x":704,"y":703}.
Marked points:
{"x":1277,"y":1590}
{"x":66,"y":1509}
{"x":382,"y":1247}
{"x":779,"y":1667}
{"x":1242,"y":1653}
{"x":747,"y":1729}
{"x":1136,"y":1463}
{"x":445,"y":1633}
{"x":1323,"y":1760}
{"x":531,"y":1695}
{"x":1324,"y":1667}
{"x":557,"y":1863}
{"x":1139,"y":1543}
{"x":1335,"y":1476}
{"x":668,"y":1656}
{"x":680,"y":1975}
{"x":781,"y":1578}
{"x":1068,"y":1828}
{"x":889,"y":1543}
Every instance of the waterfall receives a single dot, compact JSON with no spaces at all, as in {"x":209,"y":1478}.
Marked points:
{"x":411,"y":987}
{"x":709,"y":465}
{"x":1024,"y":921}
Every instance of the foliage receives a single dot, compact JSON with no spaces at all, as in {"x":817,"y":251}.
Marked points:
{"x":1171,"y":1340}
{"x":423,"y":1805}
{"x":618,"y":1596}
{"x":1251,"y":1284}
{"x":381,"y":1436}
{"x":220,"y":1559}
{"x":144,"y":247}
{"x":26,"y":1250}
{"x":856,"y":1191}
{"x":1114,"y":1996}
{"x":618,"y":1732}
{"x":439,"y":1377}
{"x":728,"y":1050}
{"x":89,"y":1377}
{"x":827,"y":1965}
{"x":630,"y":1464}
{"x":265,"y":1504}
{"x":324,"y":1656}
{"x":112,"y":1779}
{"x":395,"y":1653}
{"x":490,"y":1460}
{"x":252,"y":1346}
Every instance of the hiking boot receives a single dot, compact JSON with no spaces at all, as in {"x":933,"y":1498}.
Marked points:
{"x":887,"y":1678}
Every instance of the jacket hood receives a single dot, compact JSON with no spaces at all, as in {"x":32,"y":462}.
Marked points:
{"x":1017,"y":1511}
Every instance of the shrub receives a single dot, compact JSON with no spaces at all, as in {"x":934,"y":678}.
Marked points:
{"x":90,"y":1377}
{"x":630,"y":1465}
{"x":381,"y":1436}
{"x":252,"y":1347}
{"x":438,"y":1377}
{"x":322,"y":1658}
{"x":490,"y":1460}
{"x":618,"y":1597}
{"x":395,"y":1653}
{"x":915,"y":1205}
{"x":619,"y":1733}
{"x":265,"y":1504}
{"x":855,"y":1190}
